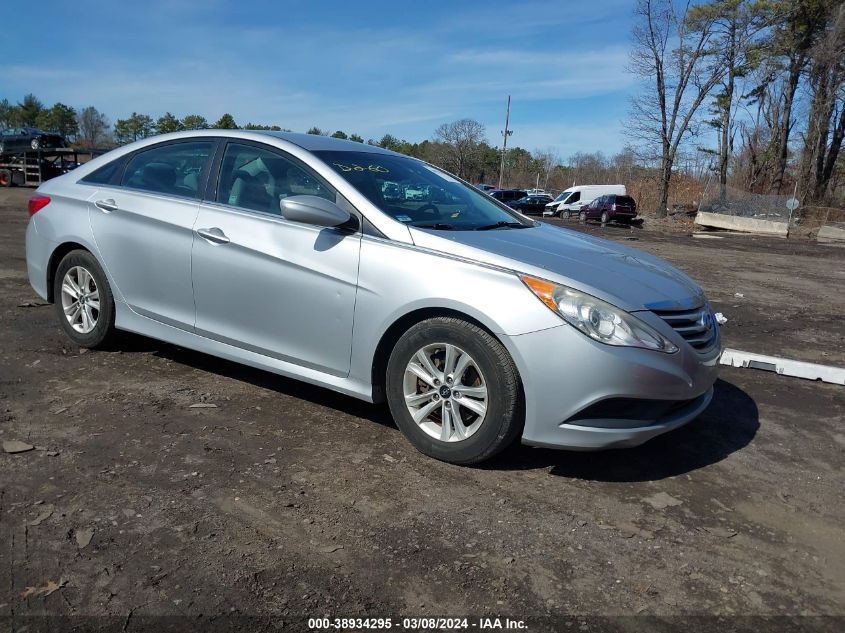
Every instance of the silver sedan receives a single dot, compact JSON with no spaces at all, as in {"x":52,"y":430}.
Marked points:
{"x":379,"y":276}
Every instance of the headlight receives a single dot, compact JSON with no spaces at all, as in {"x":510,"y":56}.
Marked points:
{"x":597,"y":319}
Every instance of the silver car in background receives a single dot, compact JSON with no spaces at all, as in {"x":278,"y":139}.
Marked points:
{"x":282,"y":251}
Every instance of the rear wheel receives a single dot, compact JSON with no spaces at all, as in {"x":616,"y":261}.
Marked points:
{"x":84,"y":302}
{"x":5,"y":178}
{"x":454,"y":391}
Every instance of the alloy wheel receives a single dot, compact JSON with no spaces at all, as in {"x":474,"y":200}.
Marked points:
{"x":80,"y":299}
{"x":445,"y":392}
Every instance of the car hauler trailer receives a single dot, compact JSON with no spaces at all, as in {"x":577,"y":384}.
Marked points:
{"x":29,"y":168}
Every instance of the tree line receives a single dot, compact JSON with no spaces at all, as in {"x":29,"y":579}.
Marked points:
{"x":748,"y":93}
{"x":89,"y":128}
{"x":460,"y":146}
{"x":767,"y":76}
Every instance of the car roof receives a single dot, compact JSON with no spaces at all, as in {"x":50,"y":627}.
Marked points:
{"x":308,"y":142}
{"x":317,"y":142}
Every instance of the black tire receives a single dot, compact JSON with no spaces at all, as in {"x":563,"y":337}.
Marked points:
{"x":582,"y":216}
{"x":505,"y":414}
{"x":5,"y":178}
{"x":104,"y":332}
{"x":604,"y":217}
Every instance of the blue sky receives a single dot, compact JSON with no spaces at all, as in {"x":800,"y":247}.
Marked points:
{"x":364,"y":66}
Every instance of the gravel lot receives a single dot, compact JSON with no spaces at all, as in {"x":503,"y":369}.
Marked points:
{"x":281,"y":501}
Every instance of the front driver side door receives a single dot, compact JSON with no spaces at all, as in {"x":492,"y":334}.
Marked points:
{"x":261,"y":283}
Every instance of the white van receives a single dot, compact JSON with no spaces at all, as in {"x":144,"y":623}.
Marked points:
{"x":571,"y":200}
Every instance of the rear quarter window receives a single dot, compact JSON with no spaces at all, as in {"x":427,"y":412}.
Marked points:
{"x":104,"y":174}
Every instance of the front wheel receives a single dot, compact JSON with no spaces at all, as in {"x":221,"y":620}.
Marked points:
{"x":454,"y":391}
{"x":604,"y":217}
{"x":84,"y":302}
{"x":582,"y":216}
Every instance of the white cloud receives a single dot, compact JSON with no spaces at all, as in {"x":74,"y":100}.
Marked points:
{"x":404,"y":79}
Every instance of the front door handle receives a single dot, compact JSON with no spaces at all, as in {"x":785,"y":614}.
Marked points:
{"x":107,"y":206}
{"x":213,"y":235}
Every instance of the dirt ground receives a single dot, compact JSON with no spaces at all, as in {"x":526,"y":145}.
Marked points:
{"x":285,"y":501}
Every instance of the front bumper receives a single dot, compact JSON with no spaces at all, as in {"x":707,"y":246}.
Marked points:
{"x":567,"y":377}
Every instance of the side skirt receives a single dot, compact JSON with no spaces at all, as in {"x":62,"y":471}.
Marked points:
{"x":130,"y":321}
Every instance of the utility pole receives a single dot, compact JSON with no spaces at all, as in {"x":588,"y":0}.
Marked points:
{"x":505,"y":134}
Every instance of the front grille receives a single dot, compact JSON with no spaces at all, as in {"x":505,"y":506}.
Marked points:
{"x":692,"y":325}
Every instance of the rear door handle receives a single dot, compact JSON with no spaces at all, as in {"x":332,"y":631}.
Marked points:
{"x":107,"y":206}
{"x":213,"y":235}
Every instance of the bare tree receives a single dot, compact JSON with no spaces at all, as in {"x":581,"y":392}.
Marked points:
{"x":462,"y":144}
{"x":588,"y":168}
{"x":786,"y":53}
{"x":93,"y":127}
{"x":826,"y":117}
{"x":546,"y":160}
{"x":679,"y":60}
{"x":736,"y":24}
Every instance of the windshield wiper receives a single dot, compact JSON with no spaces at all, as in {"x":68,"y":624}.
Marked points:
{"x":502,"y":225}
{"x":439,"y":226}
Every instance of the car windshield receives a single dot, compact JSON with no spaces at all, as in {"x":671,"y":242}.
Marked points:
{"x":418,"y":194}
{"x":562,"y":196}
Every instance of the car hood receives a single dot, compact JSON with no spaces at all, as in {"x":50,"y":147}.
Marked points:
{"x":626,"y":277}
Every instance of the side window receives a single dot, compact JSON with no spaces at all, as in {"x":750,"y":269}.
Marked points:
{"x":255,"y":178}
{"x":104,"y":174}
{"x":575,"y":197}
{"x":172,"y":169}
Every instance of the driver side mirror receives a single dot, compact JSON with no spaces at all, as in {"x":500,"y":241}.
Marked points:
{"x":313,"y":210}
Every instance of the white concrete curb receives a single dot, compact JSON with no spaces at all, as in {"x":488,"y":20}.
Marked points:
{"x":784,"y":366}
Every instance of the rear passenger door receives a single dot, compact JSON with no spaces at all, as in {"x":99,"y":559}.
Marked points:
{"x":143,"y":220}
{"x":261,"y":283}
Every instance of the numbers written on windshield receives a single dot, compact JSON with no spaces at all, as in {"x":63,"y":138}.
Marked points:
{"x":377,"y":169}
